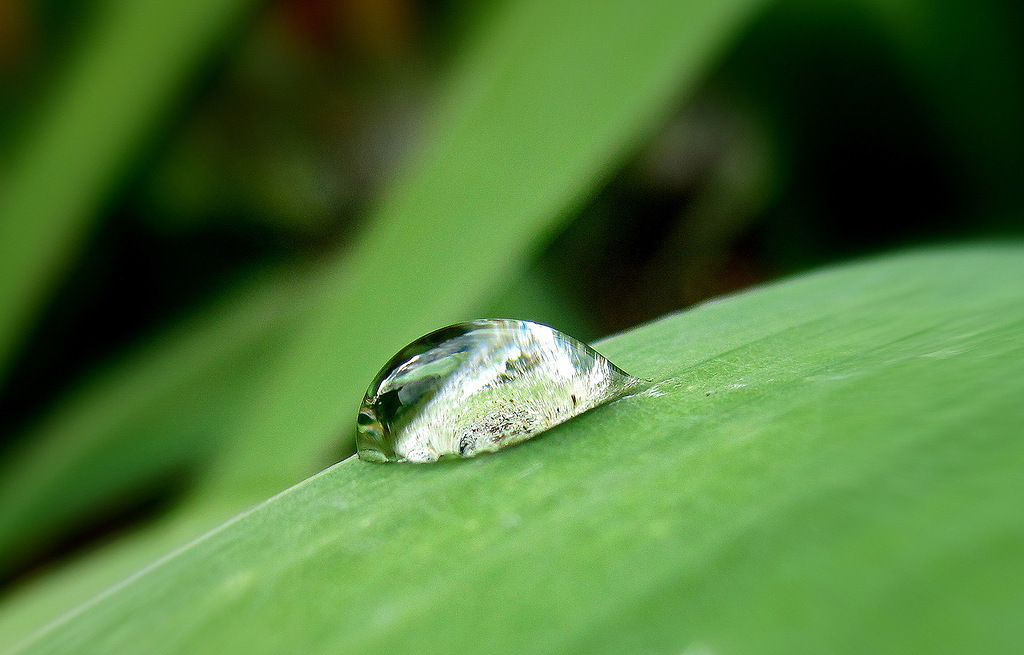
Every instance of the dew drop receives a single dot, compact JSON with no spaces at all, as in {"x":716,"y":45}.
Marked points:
{"x":479,"y":387}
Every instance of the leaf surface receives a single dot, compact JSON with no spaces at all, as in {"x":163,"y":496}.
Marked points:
{"x":827,"y":464}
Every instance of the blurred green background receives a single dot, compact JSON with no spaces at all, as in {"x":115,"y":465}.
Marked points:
{"x":218,"y":218}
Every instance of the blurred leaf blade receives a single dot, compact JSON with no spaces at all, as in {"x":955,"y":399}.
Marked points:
{"x":796,"y":436}
{"x":116,"y":90}
{"x":30,"y":607}
{"x":158,"y":410}
{"x":548,"y":100}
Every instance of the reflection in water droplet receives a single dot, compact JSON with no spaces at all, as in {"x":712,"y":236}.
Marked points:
{"x":479,"y":387}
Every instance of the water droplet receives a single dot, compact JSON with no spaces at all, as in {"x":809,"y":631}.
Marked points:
{"x":479,"y":387}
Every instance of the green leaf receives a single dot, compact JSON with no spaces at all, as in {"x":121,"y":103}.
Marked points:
{"x":544,"y":104}
{"x":550,"y":98}
{"x":162,"y":409}
{"x":828,"y":464}
{"x":116,"y":90}
{"x":62,"y":588}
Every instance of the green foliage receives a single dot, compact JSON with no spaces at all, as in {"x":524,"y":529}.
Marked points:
{"x":131,"y":67}
{"x":540,"y":107}
{"x":159,"y":410}
{"x":539,"y":110}
{"x":828,"y":464}
{"x":841,"y":475}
